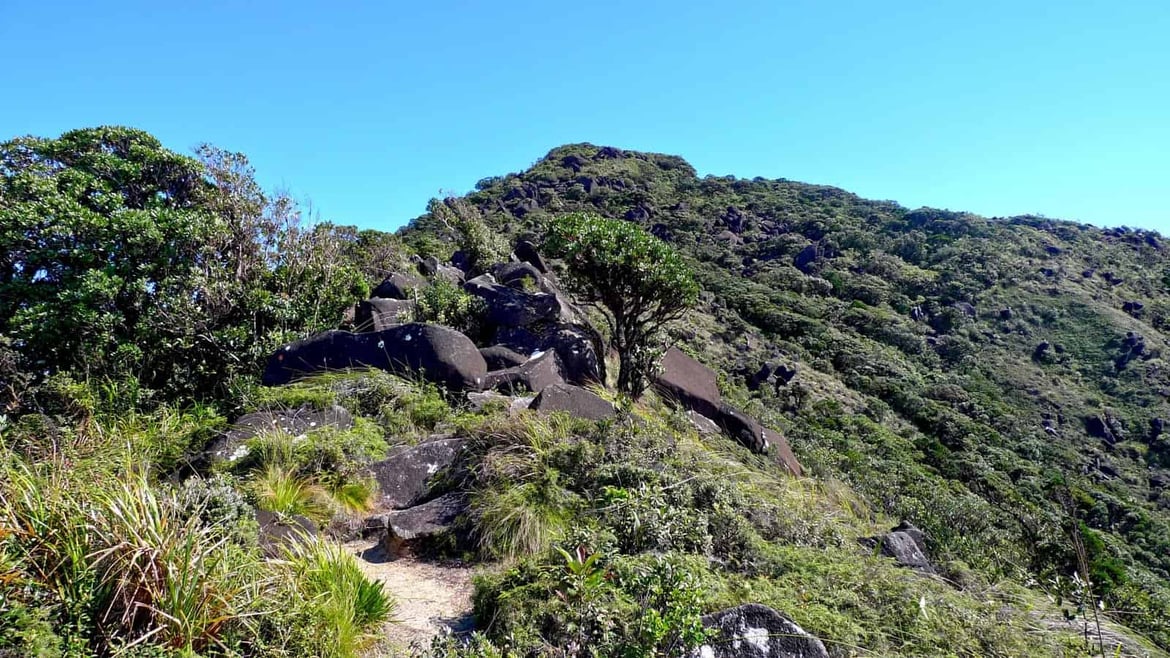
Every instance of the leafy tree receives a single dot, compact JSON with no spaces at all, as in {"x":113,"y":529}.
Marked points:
{"x":638,"y":282}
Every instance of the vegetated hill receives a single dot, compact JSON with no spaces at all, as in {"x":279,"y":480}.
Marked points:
{"x":999,"y":382}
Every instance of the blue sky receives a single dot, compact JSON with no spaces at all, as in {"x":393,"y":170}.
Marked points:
{"x":369,"y":109}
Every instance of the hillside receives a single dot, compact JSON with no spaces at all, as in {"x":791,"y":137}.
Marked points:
{"x":880,"y":431}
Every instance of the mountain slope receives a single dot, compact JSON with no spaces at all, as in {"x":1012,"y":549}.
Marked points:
{"x":999,"y":382}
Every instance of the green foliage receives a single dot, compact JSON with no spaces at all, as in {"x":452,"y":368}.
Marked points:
{"x":637,"y":281}
{"x":481,"y":246}
{"x":445,"y":303}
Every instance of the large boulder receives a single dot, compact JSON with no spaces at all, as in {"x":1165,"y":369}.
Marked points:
{"x":534,"y":375}
{"x":402,"y":530}
{"x":499,"y":357}
{"x":574,"y":344}
{"x":521,"y":276}
{"x":689,"y":384}
{"x":378,"y":313}
{"x":573,"y":400}
{"x":757,"y":631}
{"x":439,"y":354}
{"x":230,"y":445}
{"x":508,"y":307}
{"x":782,"y":452}
{"x":526,"y":252}
{"x":742,"y":428}
{"x":406,"y":478}
{"x":398,"y":286}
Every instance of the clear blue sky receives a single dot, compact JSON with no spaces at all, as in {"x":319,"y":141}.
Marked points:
{"x":369,"y":109}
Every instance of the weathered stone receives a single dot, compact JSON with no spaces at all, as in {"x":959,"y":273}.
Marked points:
{"x":573,"y":400}
{"x":402,"y":529}
{"x":703,"y":425}
{"x":440,"y":354}
{"x":377,"y":314}
{"x":1098,"y":427}
{"x":526,"y":252}
{"x":405,"y":478}
{"x":906,"y":545}
{"x":398,"y":286}
{"x":481,"y":399}
{"x":742,"y":428}
{"x":782,"y":452}
{"x":508,"y":307}
{"x":230,"y":445}
{"x":534,"y":375}
{"x":775,"y":373}
{"x":757,"y":631}
{"x":574,"y":344}
{"x":688,"y":383}
{"x":516,"y":274}
{"x":807,"y":257}
{"x":278,"y":532}
{"x":499,"y":357}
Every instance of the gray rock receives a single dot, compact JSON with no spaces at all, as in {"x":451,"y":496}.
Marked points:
{"x":439,"y":354}
{"x":508,"y":307}
{"x":402,"y":529}
{"x":703,"y":425}
{"x":378,"y":314}
{"x":907,"y":545}
{"x":742,"y":428}
{"x":230,"y":445}
{"x":278,"y":532}
{"x":398,"y":286}
{"x":479,"y":400}
{"x":533,"y":376}
{"x":687,"y":383}
{"x":499,"y":357}
{"x":515,"y":274}
{"x":757,"y":631}
{"x":573,"y":400}
{"x":406,"y":477}
{"x":526,"y":252}
{"x":574,"y":344}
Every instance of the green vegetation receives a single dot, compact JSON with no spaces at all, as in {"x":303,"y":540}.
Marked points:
{"x":638,"y":283}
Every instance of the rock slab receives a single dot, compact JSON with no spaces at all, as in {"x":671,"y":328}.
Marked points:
{"x":757,"y":631}
{"x":405,"y":478}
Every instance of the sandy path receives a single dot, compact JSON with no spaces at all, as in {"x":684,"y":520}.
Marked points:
{"x":432,"y":597}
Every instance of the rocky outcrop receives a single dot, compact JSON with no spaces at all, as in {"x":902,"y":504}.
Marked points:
{"x":499,"y":357}
{"x":574,"y":344}
{"x":532,"y":376}
{"x":407,"y":476}
{"x":526,"y":252}
{"x":742,"y":428}
{"x":509,"y":307}
{"x":231,"y":445}
{"x":403,"y":530}
{"x":782,"y":452}
{"x":398,"y":286}
{"x":439,"y":354}
{"x":757,"y":631}
{"x":575,"y":401}
{"x":688,"y":383}
{"x":378,"y":314}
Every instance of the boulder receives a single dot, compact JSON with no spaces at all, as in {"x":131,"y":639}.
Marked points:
{"x":703,"y":425}
{"x":230,"y":445}
{"x":479,"y":400}
{"x":378,"y":313}
{"x":757,"y":631}
{"x":574,"y":344}
{"x":775,"y":373}
{"x":398,"y":286}
{"x":906,"y":544}
{"x":508,"y":307}
{"x":277,"y":531}
{"x":402,"y":530}
{"x":439,"y":354}
{"x":782,"y":452}
{"x":526,"y":252}
{"x":514,"y":275}
{"x":742,"y":428}
{"x":431,"y":267}
{"x":406,"y":477}
{"x":807,"y":257}
{"x":499,"y":357}
{"x":534,"y":375}
{"x":1103,"y":428}
{"x":573,"y":400}
{"x":689,"y":384}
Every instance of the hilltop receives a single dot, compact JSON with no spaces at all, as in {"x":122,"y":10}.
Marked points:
{"x":880,"y":431}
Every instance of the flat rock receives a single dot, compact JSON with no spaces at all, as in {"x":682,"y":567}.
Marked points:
{"x":406,"y":477}
{"x":741,"y":427}
{"x":688,"y":383}
{"x":230,"y":445}
{"x":782,"y":452}
{"x":573,"y":400}
{"x":533,"y":376}
{"x":402,"y":529}
{"x":757,"y":631}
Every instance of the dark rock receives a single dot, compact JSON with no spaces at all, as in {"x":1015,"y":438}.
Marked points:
{"x":757,"y":631}
{"x":782,"y":452}
{"x":1053,"y":250}
{"x":405,"y":478}
{"x":742,"y":428}
{"x":807,"y":257}
{"x":460,"y":261}
{"x":1088,"y":274}
{"x":507,"y":307}
{"x":1101,"y":428}
{"x":499,"y":357}
{"x":609,"y":153}
{"x":440,"y":354}
{"x":398,"y":286}
{"x":907,"y":545}
{"x":1041,"y":350}
{"x":534,"y":375}
{"x":730,"y":238}
{"x":1133,"y":307}
{"x":1006,"y":313}
{"x":428,"y":266}
{"x":574,"y":400}
{"x":479,"y":400}
{"x":278,"y":532}
{"x":526,"y":252}
{"x":230,"y":447}
{"x":574,"y":344}
{"x":1157,"y":427}
{"x":964,"y":308}
{"x":403,"y":529}
{"x":574,"y":162}
{"x":377,"y":314}
{"x":514,"y":275}
{"x":703,"y":425}
{"x":775,"y":373}
{"x":735,"y":220}
{"x":687,"y":383}
{"x":639,"y":213}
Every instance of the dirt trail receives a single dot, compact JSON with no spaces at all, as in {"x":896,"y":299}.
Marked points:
{"x":432,"y":597}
